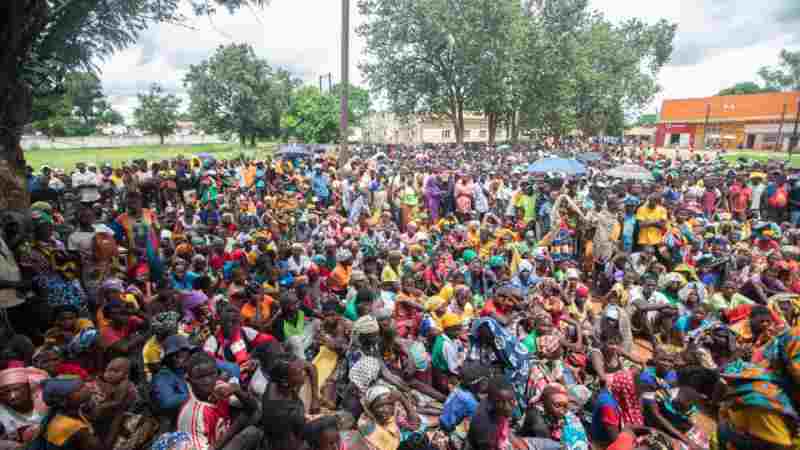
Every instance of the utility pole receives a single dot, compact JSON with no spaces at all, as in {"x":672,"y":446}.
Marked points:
{"x":320,"y":84}
{"x":780,"y":129}
{"x":705,"y":126}
{"x":343,"y":125}
{"x":793,"y":142}
{"x":330,"y":82}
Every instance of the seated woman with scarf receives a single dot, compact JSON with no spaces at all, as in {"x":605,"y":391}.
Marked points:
{"x":552,"y":420}
{"x":66,"y":426}
{"x":379,"y":426}
{"x":491,"y":345}
{"x":21,"y":406}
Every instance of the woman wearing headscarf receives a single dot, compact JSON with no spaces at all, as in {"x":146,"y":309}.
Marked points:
{"x":21,"y":406}
{"x":162,"y":325}
{"x":66,"y":426}
{"x":552,"y":420}
{"x":173,"y":441}
{"x":491,"y":345}
{"x":365,"y":365}
{"x":379,"y":428}
{"x":44,"y":260}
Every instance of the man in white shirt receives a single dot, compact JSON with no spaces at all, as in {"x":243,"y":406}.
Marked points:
{"x":86,"y":183}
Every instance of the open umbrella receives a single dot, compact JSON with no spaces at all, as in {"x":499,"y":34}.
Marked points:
{"x":590,"y":156}
{"x":563,"y":165}
{"x":504,"y":147}
{"x":630,"y":172}
{"x":294,"y":151}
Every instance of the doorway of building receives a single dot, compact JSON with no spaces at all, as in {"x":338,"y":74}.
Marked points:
{"x":751,"y":141}
{"x":674,"y":140}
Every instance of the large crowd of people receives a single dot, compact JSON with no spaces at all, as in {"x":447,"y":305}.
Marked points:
{"x":440,"y":297}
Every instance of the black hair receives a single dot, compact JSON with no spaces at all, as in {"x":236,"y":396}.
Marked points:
{"x":473,"y":373}
{"x":416,"y":441}
{"x":279,"y":420}
{"x":313,"y":430}
{"x":364,"y":295}
{"x":759,"y":310}
{"x":202,"y":283}
{"x":698,"y":377}
{"x":266,"y":354}
{"x":279,"y":370}
{"x":499,"y":383}
{"x":200,"y":359}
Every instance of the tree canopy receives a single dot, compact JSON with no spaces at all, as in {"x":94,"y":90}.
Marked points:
{"x":157,"y":112}
{"x":313,"y":116}
{"x":235,"y":92}
{"x":745,"y":87}
{"x":44,"y":40}
{"x":550,"y":67}
{"x":76,"y":109}
{"x":786,"y":75}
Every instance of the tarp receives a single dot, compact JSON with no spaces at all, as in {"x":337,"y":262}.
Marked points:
{"x":563,"y":165}
{"x":630,"y":172}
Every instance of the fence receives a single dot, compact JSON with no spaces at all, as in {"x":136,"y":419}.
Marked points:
{"x":44,"y":142}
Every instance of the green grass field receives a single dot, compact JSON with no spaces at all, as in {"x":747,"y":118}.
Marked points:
{"x":66,"y":158}
{"x":753,"y":155}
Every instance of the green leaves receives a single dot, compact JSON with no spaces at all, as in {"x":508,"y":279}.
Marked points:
{"x":313,"y":117}
{"x":236,"y":92}
{"x":157,"y":112}
{"x":784,"y":77}
{"x":556,"y":62}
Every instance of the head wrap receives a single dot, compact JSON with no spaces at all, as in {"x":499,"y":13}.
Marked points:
{"x":434,"y":303}
{"x":42,"y":206}
{"x":469,"y":255}
{"x":190,"y":301}
{"x":548,"y":344}
{"x":343,"y":254}
{"x":178,"y":440}
{"x":40,"y":217}
{"x":450,"y":320}
{"x":165,"y":323}
{"x":56,"y":390}
{"x":374,"y":393}
{"x":366,"y":325}
{"x":382,"y":313}
{"x":525,"y":266}
{"x":358,"y":275}
{"x":82,"y":342}
{"x":496,"y":262}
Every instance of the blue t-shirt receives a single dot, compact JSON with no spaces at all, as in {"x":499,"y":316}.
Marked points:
{"x":628,"y":228}
{"x":605,"y":408}
{"x":459,"y":405}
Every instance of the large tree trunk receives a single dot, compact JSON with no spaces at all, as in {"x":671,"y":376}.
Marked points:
{"x":253,"y":141}
{"x":23,"y":20}
{"x":514,"y":127}
{"x":491,"y":117}
{"x":161,"y":138}
{"x":459,"y":122}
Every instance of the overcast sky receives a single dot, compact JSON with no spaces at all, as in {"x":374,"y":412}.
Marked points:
{"x":718,"y":43}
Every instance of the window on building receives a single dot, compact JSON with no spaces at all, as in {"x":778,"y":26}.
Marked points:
{"x":484,"y":133}
{"x":445,"y":134}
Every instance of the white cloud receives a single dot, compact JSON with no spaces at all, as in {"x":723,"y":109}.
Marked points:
{"x":719,"y":43}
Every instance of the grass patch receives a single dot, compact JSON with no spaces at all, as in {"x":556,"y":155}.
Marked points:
{"x":67,"y":158}
{"x":764,"y":157}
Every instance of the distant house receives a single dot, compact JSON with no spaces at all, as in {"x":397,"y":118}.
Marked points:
{"x":112,"y":130}
{"x":184,"y":128}
{"x":758,"y":121}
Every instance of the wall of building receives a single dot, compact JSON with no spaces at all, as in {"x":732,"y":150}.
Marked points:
{"x":43,"y":142}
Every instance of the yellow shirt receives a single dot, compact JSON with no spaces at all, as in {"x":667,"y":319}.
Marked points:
{"x":152,"y":353}
{"x":651,"y":235}
{"x":389,"y":275}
